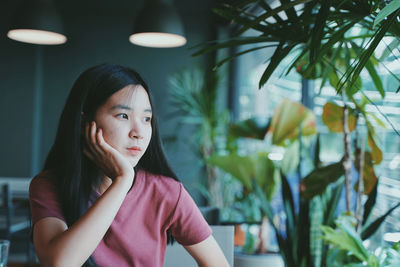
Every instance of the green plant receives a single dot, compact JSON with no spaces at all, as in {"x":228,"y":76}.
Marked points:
{"x":333,"y":40}
{"x":348,"y":249}
{"x":322,"y":32}
{"x":195,"y":94}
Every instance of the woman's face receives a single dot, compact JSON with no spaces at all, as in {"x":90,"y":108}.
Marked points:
{"x":126,"y":121}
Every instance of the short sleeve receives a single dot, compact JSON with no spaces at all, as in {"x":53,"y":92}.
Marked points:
{"x":43,"y":199}
{"x":188,"y":225}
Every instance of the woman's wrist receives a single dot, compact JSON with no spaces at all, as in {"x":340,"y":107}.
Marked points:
{"x":124,"y":181}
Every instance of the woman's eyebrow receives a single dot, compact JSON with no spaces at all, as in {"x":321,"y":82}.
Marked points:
{"x":121,"y":107}
{"x":129,"y":108}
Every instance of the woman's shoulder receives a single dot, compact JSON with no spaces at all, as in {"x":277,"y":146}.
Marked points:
{"x":42,"y":180}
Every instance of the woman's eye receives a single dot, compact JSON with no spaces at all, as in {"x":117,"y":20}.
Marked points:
{"x":122,"y":116}
{"x":147,"y":119}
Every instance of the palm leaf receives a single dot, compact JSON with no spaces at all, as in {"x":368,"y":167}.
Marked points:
{"x":372,"y":46}
{"x":371,"y":228}
{"x":275,"y":11}
{"x":279,"y":54}
{"x":225,"y":60}
{"x":318,"y":30}
{"x":386,"y":11}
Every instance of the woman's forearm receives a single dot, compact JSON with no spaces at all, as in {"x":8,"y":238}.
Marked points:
{"x":74,"y":246}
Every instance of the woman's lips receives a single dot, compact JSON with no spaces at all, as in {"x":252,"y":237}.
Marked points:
{"x":134,"y":151}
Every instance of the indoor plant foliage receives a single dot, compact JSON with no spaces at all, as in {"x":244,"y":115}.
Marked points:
{"x":349,"y":250}
{"x":196,"y":96}
{"x":300,"y":239}
{"x":333,"y":41}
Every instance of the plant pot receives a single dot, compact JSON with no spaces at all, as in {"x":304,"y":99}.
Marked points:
{"x":258,"y":260}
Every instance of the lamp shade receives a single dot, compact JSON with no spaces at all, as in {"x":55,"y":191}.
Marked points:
{"x":37,"y":22}
{"x":158,"y":25}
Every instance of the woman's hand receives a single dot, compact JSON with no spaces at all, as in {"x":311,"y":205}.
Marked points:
{"x":111,"y":162}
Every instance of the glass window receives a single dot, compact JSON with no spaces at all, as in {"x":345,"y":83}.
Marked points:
{"x":261,"y":103}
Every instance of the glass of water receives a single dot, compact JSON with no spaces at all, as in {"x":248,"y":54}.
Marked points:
{"x":4,"y":247}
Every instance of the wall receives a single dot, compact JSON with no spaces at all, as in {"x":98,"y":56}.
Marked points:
{"x":97,"y":32}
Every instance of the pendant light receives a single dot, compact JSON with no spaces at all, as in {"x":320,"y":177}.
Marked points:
{"x":158,"y":25}
{"x":37,"y":22}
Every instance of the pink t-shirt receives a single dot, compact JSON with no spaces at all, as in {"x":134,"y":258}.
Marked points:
{"x":137,"y":236}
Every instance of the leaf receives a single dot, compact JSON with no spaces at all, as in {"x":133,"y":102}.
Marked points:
{"x":233,"y":42}
{"x":225,"y":60}
{"x":355,"y":72}
{"x":369,"y":176}
{"x":332,"y":197}
{"x":371,"y":228}
{"x":376,"y":152}
{"x":290,"y":159}
{"x":395,"y":43}
{"x":251,"y":128}
{"x":386,"y":11}
{"x":288,"y":205}
{"x":369,"y":65}
{"x":346,"y":238}
{"x":332,"y":117}
{"x":376,"y":119}
{"x":369,"y":204}
{"x":375,"y":77}
{"x":266,"y":174}
{"x":256,"y":167}
{"x":241,"y":167}
{"x":287,"y":119}
{"x":272,"y":13}
{"x":279,"y":54}
{"x":318,"y":30}
{"x":316,"y":182}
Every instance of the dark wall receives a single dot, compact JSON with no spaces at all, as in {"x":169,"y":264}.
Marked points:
{"x":97,"y":32}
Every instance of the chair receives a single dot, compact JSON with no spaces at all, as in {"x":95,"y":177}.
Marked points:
{"x":15,"y":220}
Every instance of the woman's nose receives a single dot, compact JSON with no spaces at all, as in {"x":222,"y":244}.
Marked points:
{"x":136,"y":131}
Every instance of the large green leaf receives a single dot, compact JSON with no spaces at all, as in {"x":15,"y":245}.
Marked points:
{"x":256,"y":167}
{"x":346,"y":238}
{"x":332,"y":117}
{"x":288,"y":117}
{"x":316,"y":182}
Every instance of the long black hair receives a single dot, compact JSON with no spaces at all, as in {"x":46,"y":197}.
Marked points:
{"x":74,"y":174}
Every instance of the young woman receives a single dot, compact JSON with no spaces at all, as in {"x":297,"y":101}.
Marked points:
{"x":107,"y":196}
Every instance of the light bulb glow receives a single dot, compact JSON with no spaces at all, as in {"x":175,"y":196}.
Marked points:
{"x":37,"y":36}
{"x":157,"y":39}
